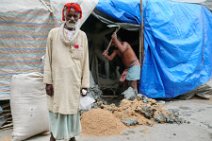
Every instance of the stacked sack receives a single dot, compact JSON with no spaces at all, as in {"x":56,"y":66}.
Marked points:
{"x":28,"y":106}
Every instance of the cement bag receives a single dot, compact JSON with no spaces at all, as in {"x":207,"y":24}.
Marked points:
{"x":28,"y":106}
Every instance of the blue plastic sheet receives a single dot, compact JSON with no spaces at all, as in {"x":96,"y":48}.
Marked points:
{"x":177,"y":44}
{"x":178,"y":48}
{"x":127,"y":11}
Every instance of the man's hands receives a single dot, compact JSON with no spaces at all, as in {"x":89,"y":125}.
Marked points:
{"x":105,"y":53}
{"x":114,"y":37}
{"x":49,"y":89}
{"x":84,"y":91}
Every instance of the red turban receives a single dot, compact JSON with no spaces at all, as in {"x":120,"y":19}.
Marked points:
{"x":68,"y":6}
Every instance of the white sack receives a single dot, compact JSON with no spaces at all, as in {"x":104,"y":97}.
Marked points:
{"x":86,"y":102}
{"x":28,"y":106}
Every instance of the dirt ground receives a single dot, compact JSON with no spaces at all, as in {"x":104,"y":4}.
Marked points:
{"x":197,"y":111}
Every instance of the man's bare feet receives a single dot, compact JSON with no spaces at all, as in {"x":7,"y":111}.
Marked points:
{"x":72,"y":139}
{"x":52,"y":138}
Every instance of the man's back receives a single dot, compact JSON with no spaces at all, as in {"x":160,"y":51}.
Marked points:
{"x":128,"y":56}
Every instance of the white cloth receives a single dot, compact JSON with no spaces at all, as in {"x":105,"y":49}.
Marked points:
{"x":64,"y":127}
{"x":69,"y":34}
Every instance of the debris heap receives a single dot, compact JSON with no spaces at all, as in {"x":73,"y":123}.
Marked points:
{"x":112,"y":119}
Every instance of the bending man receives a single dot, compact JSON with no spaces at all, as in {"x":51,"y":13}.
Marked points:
{"x":129,"y":59}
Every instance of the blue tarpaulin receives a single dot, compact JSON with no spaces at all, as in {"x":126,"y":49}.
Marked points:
{"x":127,"y":11}
{"x":177,"y":44}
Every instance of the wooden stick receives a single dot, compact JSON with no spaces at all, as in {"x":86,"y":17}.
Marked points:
{"x":5,"y":111}
{"x":7,"y":125}
{"x":6,"y":128}
{"x":5,"y":115}
{"x":109,"y":45}
{"x":5,"y":106}
{"x":10,"y":118}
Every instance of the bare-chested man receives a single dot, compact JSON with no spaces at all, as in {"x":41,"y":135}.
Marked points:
{"x":129,"y":59}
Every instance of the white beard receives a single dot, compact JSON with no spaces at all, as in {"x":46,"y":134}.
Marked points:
{"x":70,"y":34}
{"x":70,"y":25}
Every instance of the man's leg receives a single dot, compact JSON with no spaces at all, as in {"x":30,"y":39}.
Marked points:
{"x":134,"y":75}
{"x":52,"y":138}
{"x":134,"y":85}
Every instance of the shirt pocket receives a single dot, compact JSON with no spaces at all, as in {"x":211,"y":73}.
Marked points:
{"x":77,"y":54}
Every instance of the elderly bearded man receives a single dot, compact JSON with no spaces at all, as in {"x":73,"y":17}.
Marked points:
{"x":66,"y":73}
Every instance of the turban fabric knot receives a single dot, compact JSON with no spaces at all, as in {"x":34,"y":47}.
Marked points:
{"x":68,"y":6}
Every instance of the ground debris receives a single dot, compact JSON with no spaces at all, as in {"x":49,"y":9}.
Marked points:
{"x":140,"y":111}
{"x":130,"y":122}
{"x":145,"y":110}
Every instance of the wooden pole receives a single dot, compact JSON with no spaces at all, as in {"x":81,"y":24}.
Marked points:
{"x":115,"y":32}
{"x":141,"y":36}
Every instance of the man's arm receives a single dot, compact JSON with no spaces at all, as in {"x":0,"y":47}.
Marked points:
{"x":48,"y":67}
{"x":121,"y":46}
{"x":110,"y":57}
{"x":85,"y":66}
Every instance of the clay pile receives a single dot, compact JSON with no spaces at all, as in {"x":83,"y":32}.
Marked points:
{"x":112,"y":119}
{"x":101,"y":122}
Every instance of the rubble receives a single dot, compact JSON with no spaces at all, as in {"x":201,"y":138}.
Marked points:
{"x":148,"y":109}
{"x":130,"y":122}
{"x":140,"y":111}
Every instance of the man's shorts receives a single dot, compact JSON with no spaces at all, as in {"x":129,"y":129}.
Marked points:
{"x":134,"y":73}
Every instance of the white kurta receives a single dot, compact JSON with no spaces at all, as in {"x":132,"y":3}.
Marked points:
{"x":67,"y":68}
